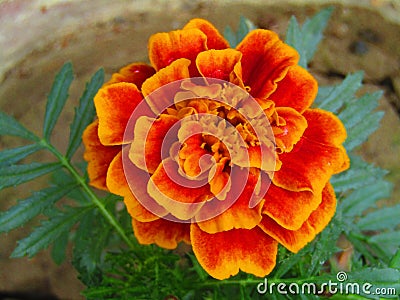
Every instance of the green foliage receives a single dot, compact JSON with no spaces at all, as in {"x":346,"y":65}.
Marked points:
{"x":27,"y":209}
{"x":16,"y":174}
{"x":57,"y":224}
{"x":245,"y":26}
{"x":84,"y":113}
{"x":10,"y":126}
{"x":12,"y":156}
{"x":57,"y":98}
{"x":305,"y":39}
{"x":49,"y":231}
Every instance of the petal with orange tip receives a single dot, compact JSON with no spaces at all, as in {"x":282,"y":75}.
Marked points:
{"x":135,"y":73}
{"x":163,"y":98}
{"x":117,"y":184}
{"x":295,"y":240}
{"x":180,"y":196}
{"x":297,"y":89}
{"x":290,"y":209}
{"x":324,"y":127}
{"x":219,"y":64}
{"x":98,"y":156}
{"x":316,"y":157}
{"x":241,"y":214}
{"x":166,"y":47}
{"x":145,"y":150}
{"x":265,"y":62}
{"x":223,"y":254}
{"x":164,"y":233}
{"x":290,"y":133}
{"x":214,"y":39}
{"x":121,"y":99}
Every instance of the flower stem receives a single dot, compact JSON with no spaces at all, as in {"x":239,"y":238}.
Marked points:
{"x":91,"y":195}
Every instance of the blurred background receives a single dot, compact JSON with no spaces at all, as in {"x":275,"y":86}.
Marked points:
{"x":38,"y":36}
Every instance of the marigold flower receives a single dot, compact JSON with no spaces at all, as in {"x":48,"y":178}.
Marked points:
{"x":215,"y":133}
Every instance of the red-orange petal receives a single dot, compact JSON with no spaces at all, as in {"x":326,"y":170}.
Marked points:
{"x":164,"y":233}
{"x":166,"y":47}
{"x":266,"y":60}
{"x":223,"y":254}
{"x":316,"y":157}
{"x":177,"y":70}
{"x":214,"y":39}
{"x":152,"y":133}
{"x":135,"y":73}
{"x":98,"y":156}
{"x":117,"y":184}
{"x":177,"y":195}
{"x":297,"y":89}
{"x":221,"y":64}
{"x":324,"y":127}
{"x":114,"y":105}
{"x":292,"y":131}
{"x":240,"y":215}
{"x":297,"y":239}
{"x":289,"y":209}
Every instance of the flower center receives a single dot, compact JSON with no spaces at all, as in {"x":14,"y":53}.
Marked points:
{"x":221,"y":121}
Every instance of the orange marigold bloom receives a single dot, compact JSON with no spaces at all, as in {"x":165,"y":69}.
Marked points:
{"x":302,"y":148}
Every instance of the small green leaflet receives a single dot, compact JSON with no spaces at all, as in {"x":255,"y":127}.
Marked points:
{"x":332,"y":98}
{"x":10,"y":126}
{"x":381,"y":219}
{"x":356,"y":109}
{"x":16,"y":174}
{"x":14,"y":155}
{"x":363,"y":198}
{"x":306,"y":39}
{"x":395,"y":262}
{"x":49,"y":231}
{"x":323,"y":248}
{"x":30,"y":207}
{"x":58,"y":252}
{"x":84,"y":113}
{"x":386,"y":239}
{"x":359,"y":175}
{"x":245,"y":26}
{"x":57,"y":98}
{"x":90,"y":241}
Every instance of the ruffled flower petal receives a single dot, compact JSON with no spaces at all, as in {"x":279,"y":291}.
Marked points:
{"x":287,"y":135}
{"x":297,"y":239}
{"x":135,"y":73}
{"x":316,"y":157}
{"x":265,"y":62}
{"x":223,"y":254}
{"x":240,"y":215}
{"x":117,"y":184}
{"x":324,"y":127}
{"x":290,"y":209}
{"x":214,"y":39}
{"x":145,"y":150}
{"x":161,"y":232}
{"x":297,"y":89}
{"x":121,"y":99}
{"x":221,"y":64}
{"x":176,"y":193}
{"x":98,"y":156}
{"x":166,"y":47}
{"x":160,"y":100}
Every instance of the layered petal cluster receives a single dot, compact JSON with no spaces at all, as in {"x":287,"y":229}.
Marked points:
{"x":304,"y":149}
